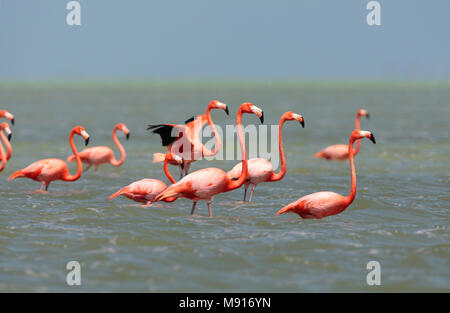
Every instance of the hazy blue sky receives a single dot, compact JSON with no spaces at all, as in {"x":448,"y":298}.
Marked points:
{"x":245,"y":39}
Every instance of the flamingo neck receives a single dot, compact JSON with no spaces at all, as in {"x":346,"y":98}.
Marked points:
{"x":207,"y":152}
{"x":242,"y":178}
{"x":7,"y":145}
{"x":123,"y":155}
{"x":166,"y":170}
{"x":280,"y":175}
{"x":69,"y":177}
{"x":352,"y":194}
{"x":2,"y":155}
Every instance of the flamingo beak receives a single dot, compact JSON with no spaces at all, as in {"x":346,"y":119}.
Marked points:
{"x":8,"y":132}
{"x":12,"y":121}
{"x":368,"y":116}
{"x":127,"y":136}
{"x":182,"y":164}
{"x":372,"y":138}
{"x":302,"y":122}
{"x":86,"y":141}
{"x":261,"y":118}
{"x":226,"y":110}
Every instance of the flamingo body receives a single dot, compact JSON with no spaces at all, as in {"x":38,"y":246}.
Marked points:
{"x":201,"y":185}
{"x":259,"y":170}
{"x":143,"y":191}
{"x":146,"y":190}
{"x":317,"y":205}
{"x":335,"y":152}
{"x":95,"y":156}
{"x":46,"y":171}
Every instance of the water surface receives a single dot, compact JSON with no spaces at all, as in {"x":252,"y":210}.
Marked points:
{"x":400,"y":217}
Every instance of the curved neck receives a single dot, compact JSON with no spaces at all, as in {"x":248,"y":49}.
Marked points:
{"x":207,"y":152}
{"x":166,"y":170}
{"x":7,"y":145}
{"x":280,"y":175}
{"x":123,"y":155}
{"x":68,"y":176}
{"x":238,"y":183}
{"x":352,"y":194}
{"x":2,"y":155}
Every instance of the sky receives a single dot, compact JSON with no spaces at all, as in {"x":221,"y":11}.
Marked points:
{"x":217,"y":39}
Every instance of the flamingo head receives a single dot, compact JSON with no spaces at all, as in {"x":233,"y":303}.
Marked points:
{"x":175,"y":158}
{"x":79,"y":130}
{"x":6,"y":114}
{"x":291,"y":116}
{"x":123,"y":128}
{"x":218,"y":105}
{"x":4,"y":126}
{"x":360,"y":134}
{"x":362,"y":112}
{"x":250,"y":108}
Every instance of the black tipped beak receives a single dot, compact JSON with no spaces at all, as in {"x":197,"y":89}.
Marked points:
{"x":262,"y":118}
{"x":226,"y":111}
{"x":127,"y":136}
{"x":372,"y":138}
{"x":12,"y":121}
{"x":86,"y":141}
{"x":9,"y":137}
{"x":303,"y":122}
{"x":182,"y":165}
{"x":368,"y":116}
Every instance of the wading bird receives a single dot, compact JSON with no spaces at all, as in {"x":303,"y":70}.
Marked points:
{"x":326,"y":203}
{"x":261,"y":170}
{"x":3,"y":158}
{"x":188,"y":144}
{"x":146,"y":190}
{"x":206,"y":183}
{"x":48,"y":170}
{"x":101,"y":154}
{"x":340,"y":152}
{"x":6,"y":114}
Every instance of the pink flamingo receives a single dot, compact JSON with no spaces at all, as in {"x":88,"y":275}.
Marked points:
{"x":261,"y":170}
{"x":4,"y":127}
{"x":48,"y":170}
{"x":206,"y":183}
{"x":340,"y":152}
{"x":6,"y":114}
{"x":326,"y":203}
{"x":146,"y":190}
{"x":189,"y":136}
{"x":101,"y":154}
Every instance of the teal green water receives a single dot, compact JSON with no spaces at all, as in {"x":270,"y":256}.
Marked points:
{"x":400,"y":217}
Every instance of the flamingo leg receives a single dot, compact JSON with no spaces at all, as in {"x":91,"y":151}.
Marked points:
{"x":193,"y":207}
{"x":252,"y":193}
{"x":42,"y":186}
{"x":46,"y":186}
{"x":209,"y":208}
{"x":245,"y":192}
{"x":181,"y":173}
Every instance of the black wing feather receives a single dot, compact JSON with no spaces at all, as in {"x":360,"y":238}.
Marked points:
{"x":164,"y":131}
